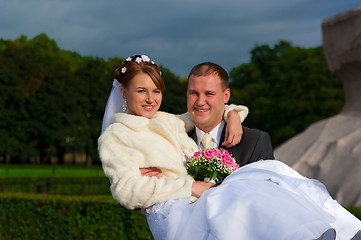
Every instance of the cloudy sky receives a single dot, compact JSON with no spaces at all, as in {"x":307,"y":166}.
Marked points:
{"x":176,"y":34}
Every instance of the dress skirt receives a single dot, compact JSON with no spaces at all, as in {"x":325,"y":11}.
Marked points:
{"x":263,"y":200}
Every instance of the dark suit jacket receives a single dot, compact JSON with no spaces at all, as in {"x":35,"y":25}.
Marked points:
{"x":254,"y":145}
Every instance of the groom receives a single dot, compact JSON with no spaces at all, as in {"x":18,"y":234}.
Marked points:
{"x":207,"y":95}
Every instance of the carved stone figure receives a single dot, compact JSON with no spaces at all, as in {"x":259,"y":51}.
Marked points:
{"x":330,"y":150}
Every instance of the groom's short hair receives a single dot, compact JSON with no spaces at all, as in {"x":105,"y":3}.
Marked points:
{"x":208,"y":68}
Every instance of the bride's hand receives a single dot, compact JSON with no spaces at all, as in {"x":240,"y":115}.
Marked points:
{"x":234,"y":130}
{"x":199,"y":187}
{"x":151,"y":172}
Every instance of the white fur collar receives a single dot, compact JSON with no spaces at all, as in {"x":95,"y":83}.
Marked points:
{"x":138,"y":123}
{"x":131,"y":121}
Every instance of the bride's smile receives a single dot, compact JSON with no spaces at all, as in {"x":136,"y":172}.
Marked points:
{"x":148,"y":107}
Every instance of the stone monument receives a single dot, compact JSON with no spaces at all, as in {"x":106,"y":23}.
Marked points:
{"x":330,"y":150}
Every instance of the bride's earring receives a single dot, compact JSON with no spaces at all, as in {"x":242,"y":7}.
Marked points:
{"x":125,"y":105}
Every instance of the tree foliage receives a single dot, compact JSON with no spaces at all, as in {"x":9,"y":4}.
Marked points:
{"x":286,"y":89}
{"x":52,"y":101}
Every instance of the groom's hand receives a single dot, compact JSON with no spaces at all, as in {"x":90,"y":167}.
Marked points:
{"x":151,"y":172}
{"x":234,"y":130}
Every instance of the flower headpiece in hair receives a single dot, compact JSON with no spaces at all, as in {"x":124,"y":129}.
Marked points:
{"x":138,"y":59}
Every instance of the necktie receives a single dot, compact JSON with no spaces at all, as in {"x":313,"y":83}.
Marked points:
{"x":206,"y":141}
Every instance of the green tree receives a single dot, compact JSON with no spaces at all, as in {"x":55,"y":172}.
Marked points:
{"x":286,"y":89}
{"x":52,"y":101}
{"x":44,"y":104}
{"x":95,"y":81}
{"x":17,"y":70}
{"x":174,"y":97}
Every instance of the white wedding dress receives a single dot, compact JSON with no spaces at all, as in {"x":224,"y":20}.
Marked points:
{"x":263,"y":200}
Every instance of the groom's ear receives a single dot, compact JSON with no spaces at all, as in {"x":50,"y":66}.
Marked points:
{"x":227,"y":95}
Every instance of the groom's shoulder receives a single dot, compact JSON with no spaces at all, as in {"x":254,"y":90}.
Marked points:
{"x":255,"y":133}
{"x":253,"y":130}
{"x":259,"y":141}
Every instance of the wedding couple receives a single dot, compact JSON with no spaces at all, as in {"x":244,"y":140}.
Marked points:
{"x":143,"y":153}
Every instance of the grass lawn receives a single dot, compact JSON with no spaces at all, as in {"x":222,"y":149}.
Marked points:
{"x":49,"y":170}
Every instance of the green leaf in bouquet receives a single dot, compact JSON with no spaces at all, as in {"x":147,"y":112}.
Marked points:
{"x":214,"y":175}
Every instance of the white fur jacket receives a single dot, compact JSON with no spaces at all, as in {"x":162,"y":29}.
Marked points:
{"x":134,"y":142}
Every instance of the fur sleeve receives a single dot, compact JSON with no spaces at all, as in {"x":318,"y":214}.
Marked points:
{"x":128,"y":186}
{"x":242,"y":111}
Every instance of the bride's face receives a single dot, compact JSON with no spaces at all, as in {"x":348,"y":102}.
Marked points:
{"x":142,"y":95}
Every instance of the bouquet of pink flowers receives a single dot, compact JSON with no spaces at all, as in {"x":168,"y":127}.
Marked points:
{"x":211,"y":165}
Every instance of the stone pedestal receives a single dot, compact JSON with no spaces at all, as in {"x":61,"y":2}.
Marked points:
{"x":330,"y":150}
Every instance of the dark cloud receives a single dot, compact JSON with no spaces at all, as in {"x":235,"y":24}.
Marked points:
{"x":176,"y":34}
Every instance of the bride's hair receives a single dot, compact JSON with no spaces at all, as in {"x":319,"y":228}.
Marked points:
{"x":123,"y":75}
{"x":139,"y":64}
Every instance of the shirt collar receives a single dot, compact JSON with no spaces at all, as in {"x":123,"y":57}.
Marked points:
{"x":216,"y":133}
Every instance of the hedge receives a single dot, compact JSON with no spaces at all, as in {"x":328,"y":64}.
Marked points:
{"x":35,"y":216}
{"x":56,"y":185}
{"x":31,"y":216}
{"x":41,"y":170}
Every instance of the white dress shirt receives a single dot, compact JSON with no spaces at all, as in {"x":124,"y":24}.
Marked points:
{"x":216,"y":133}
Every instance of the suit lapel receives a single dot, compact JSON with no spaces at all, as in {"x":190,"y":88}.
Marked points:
{"x":192,"y":134}
{"x":221,"y":140}
{"x":223,"y":135}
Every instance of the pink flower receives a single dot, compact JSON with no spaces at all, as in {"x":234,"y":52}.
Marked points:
{"x":211,"y":153}
{"x":227,"y":160}
{"x":235,"y":166}
{"x":197,"y":154}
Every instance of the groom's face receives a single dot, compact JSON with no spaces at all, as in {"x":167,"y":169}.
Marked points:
{"x":205,"y":100}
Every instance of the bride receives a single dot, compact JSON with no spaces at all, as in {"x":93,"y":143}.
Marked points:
{"x":262,"y":200}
